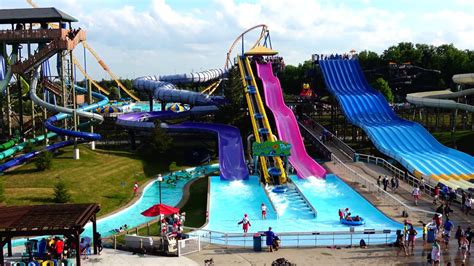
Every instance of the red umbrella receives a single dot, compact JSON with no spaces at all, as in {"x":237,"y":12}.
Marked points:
{"x":158,"y":209}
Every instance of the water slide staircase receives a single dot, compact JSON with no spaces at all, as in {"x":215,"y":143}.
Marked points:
{"x":405,"y":141}
{"x":271,"y":166}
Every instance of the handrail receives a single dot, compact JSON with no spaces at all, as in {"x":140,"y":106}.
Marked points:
{"x":270,"y":199}
{"x":333,"y":138}
{"x":326,"y":150}
{"x":409,"y":178}
{"x":305,"y":199}
{"x":414,"y":209}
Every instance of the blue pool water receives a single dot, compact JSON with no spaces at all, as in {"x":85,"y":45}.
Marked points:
{"x":170,"y":195}
{"x":231,"y":199}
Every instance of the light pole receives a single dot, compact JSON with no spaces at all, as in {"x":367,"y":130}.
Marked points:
{"x":159,"y":179}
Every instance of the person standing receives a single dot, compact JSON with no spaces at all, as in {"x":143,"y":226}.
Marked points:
{"x":464,"y":247}
{"x":435,"y":253}
{"x":392,"y":183}
{"x":385,"y":183}
{"x":436,"y":195}
{"x":411,"y":238}
{"x":270,"y":237}
{"x":468,"y":205}
{"x":379,"y":181}
{"x":459,"y":233}
{"x":264,"y":211}
{"x":469,"y":234}
{"x":135,"y":188}
{"x":245,"y":224}
{"x":416,"y":194}
{"x":422,"y":184}
{"x":397,"y":183}
{"x":401,"y":245}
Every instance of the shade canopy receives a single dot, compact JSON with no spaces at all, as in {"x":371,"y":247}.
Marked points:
{"x":158,"y":209}
{"x":108,"y":110}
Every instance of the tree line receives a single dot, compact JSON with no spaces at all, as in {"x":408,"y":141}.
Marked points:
{"x":446,"y":59}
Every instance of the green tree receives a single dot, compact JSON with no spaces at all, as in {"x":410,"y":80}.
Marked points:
{"x":114,"y":93}
{"x":44,"y":161}
{"x":160,"y":141}
{"x":234,"y":93}
{"x":61,"y":192}
{"x":381,"y":85}
{"x":370,"y":60}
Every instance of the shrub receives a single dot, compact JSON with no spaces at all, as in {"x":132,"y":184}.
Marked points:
{"x":44,"y":161}
{"x":61,"y":192}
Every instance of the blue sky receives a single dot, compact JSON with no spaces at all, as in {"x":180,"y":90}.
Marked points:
{"x":147,"y":37}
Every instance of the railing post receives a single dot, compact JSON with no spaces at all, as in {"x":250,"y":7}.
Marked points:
{"x":115,"y":242}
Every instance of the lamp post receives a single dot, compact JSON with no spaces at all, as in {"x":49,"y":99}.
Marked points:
{"x":159,"y":179}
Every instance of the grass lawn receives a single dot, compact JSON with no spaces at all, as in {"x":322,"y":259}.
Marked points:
{"x":102,"y":176}
{"x":464,"y":140}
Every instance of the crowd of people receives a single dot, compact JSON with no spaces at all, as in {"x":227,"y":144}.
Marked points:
{"x":58,"y":248}
{"x":384,"y":182}
{"x":173,"y":225}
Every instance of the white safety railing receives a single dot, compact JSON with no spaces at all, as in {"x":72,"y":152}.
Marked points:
{"x":428,"y":184}
{"x":370,"y":186}
{"x":189,"y":245}
{"x":297,"y":239}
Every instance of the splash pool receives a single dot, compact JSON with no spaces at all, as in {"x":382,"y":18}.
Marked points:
{"x":231,"y":199}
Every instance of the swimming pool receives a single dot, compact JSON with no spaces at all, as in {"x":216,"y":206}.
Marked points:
{"x":170,"y":195}
{"x":231,"y":199}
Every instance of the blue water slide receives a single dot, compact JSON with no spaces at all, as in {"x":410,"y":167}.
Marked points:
{"x":407,"y":142}
{"x":67,"y":112}
{"x":167,"y":92}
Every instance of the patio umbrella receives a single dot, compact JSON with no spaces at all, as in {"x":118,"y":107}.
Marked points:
{"x":158,"y":209}
{"x":108,"y":110}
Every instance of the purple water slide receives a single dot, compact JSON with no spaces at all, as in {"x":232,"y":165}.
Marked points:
{"x":287,"y":125}
{"x":231,"y":152}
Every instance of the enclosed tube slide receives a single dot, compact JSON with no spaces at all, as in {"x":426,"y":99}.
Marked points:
{"x":195,"y":77}
{"x":287,"y":125}
{"x":407,"y":142}
{"x":167,"y":92}
{"x":65,"y":112}
{"x":7,"y":66}
{"x":439,"y":99}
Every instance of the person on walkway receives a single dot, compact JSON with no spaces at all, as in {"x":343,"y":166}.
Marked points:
{"x":99,"y":245}
{"x":459,"y":233}
{"x":435,"y":253}
{"x":425,"y":231}
{"x":401,"y":245}
{"x":385,"y":183}
{"x":392,"y":183}
{"x":397,"y":183}
{"x":468,"y":205}
{"x":464,"y":247}
{"x":411,"y":238}
{"x":270,"y":236}
{"x":448,"y":226}
{"x":264,"y":211}
{"x":245,"y":224}
{"x":416,"y":194}
{"x":379,"y":181}
{"x":436,"y":195}
{"x":422,"y":184}
{"x":463,"y":201}
{"x":469,"y":234}
{"x":437,"y":221}
{"x":447,"y":210}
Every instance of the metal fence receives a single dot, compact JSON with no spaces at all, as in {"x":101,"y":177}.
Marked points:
{"x":311,"y":137}
{"x":297,"y":239}
{"x":387,"y":198}
{"x":189,"y":245}
{"x":428,"y":184}
{"x":341,"y":145}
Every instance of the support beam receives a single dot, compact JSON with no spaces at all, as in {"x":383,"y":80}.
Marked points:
{"x":94,"y":233}
{"x":77,"y":240}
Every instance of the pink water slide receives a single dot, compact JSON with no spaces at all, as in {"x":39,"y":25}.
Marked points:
{"x":287,"y":125}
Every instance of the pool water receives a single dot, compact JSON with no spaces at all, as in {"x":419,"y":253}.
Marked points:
{"x":170,"y":195}
{"x":230,"y":200}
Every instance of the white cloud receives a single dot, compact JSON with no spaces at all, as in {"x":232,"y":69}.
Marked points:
{"x":154,"y":37}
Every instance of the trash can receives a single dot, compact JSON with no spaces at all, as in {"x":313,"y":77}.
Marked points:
{"x":257,"y":242}
{"x":431,"y":235}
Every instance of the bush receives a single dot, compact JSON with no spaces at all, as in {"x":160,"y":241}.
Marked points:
{"x":61,"y":192}
{"x":44,"y":161}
